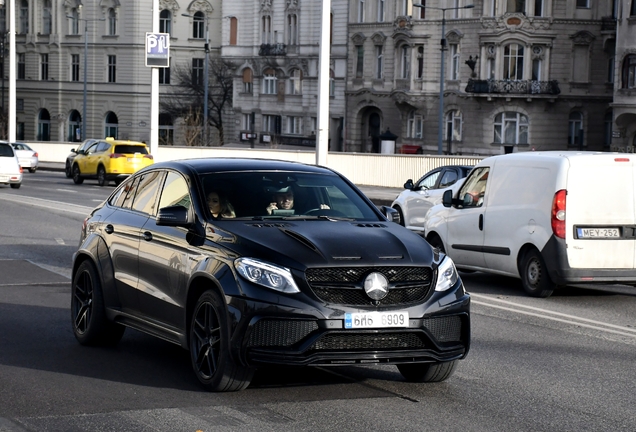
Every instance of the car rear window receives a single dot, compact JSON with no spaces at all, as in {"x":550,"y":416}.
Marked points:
{"x":130,"y":149}
{"x":6,"y":150}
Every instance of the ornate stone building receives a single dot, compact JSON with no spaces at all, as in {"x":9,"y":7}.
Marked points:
{"x":624,"y":106}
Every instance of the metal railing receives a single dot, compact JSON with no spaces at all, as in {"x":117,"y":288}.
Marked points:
{"x":277,"y":49}
{"x":513,"y":86}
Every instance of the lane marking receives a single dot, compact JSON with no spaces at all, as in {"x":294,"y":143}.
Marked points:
{"x":40,"y":202}
{"x":60,"y":241}
{"x":66,"y":190}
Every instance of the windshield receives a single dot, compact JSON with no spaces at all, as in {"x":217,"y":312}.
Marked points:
{"x":278,"y":195}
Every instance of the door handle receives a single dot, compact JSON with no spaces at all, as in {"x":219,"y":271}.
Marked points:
{"x":109,"y":229}
{"x":481,"y":222}
{"x":148,"y":236}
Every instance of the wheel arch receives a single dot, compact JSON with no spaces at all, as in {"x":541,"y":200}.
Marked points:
{"x":523,"y":250}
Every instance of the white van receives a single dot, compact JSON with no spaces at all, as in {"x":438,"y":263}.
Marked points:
{"x":549,"y":218}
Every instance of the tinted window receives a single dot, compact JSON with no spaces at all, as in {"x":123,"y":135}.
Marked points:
{"x":429,"y":181}
{"x":124,"y":196}
{"x":449,"y":178}
{"x":175,"y":192}
{"x":102,"y":147}
{"x":146,"y":196}
{"x":91,"y":149}
{"x":6,"y":150}
{"x":130,"y":149}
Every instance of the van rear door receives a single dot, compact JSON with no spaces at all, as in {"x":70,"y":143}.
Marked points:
{"x":601,"y":211}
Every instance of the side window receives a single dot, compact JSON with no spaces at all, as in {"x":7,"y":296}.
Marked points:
{"x":146,"y":196}
{"x":448,"y":179}
{"x":91,"y":149}
{"x":124,"y":196}
{"x":428,"y":181}
{"x":102,"y":147}
{"x":473,"y":191}
{"x":175,"y":192}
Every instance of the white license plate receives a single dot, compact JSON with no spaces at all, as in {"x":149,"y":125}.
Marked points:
{"x":377,"y":319}
{"x":598,"y":232}
{"x":4,"y":178}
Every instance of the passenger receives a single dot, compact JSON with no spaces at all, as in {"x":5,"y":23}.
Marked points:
{"x":219,"y":206}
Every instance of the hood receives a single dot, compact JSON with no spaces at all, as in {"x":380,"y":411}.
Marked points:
{"x":303,"y":244}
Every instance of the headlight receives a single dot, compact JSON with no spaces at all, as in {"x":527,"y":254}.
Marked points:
{"x":446,"y":275}
{"x":266,"y":274}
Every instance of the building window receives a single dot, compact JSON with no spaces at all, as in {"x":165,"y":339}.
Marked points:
{"x":493,"y":7}
{"x":294,"y":125}
{"x":332,"y":83}
{"x":359,"y":61}
{"x":112,"y":22}
{"x":420,"y":62}
{"x":247,"y":80}
{"x":269,"y":82}
{"x":454,"y":125}
{"x":165,"y":21}
{"x":3,"y":20}
{"x":379,"y":57}
{"x":246,"y":121}
{"x":269,"y":123}
{"x":44,"y":67}
{"x":536,"y":69}
{"x":632,"y":10}
{"x":609,"y":124}
{"x":402,"y":7}
{"x":405,"y":61}
{"x":421,"y":14}
{"x":46,"y":17}
{"x":197,"y":71}
{"x":198,"y":26}
{"x":381,"y":6}
{"x":610,"y":69}
{"x":629,"y":71}
{"x":164,"y":75}
{"x":44,"y":126}
{"x":538,"y":7}
{"x":296,"y":82}
{"x":74,"y":125}
{"x":360,"y":11}
{"x":21,"y":66}
{"x":511,"y":128}
{"x":414,"y":125}
{"x":513,"y":62}
{"x":581,"y":64}
{"x":583,"y":4}
{"x":111,"y":125}
{"x":75,"y":67}
{"x":456,"y":9}
{"x":454,"y":59}
{"x":292,"y":29}
{"x":112,"y":68}
{"x":24,"y":17}
{"x":266,"y":24}
{"x":233,"y":30}
{"x":166,"y":129}
{"x":575,"y":129}
{"x":516,"y":6}
{"x":74,"y":21}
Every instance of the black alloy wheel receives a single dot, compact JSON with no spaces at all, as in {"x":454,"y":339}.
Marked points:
{"x":88,"y":315}
{"x":101,"y":176}
{"x":209,"y":347}
{"x":534,"y":276}
{"x":77,"y":176}
{"x":32,"y":170}
{"x":68,"y":171}
{"x":427,"y":372}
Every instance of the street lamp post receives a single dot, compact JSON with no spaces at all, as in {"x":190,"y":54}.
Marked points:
{"x":440,"y":125}
{"x":205,"y":79}
{"x":86,"y":20}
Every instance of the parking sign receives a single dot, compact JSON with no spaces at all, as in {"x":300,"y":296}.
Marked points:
{"x":158,"y":50}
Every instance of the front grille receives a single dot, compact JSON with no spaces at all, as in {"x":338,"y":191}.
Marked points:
{"x":344,"y":286}
{"x":281,"y":333}
{"x":444,"y":329}
{"x":358,"y":341}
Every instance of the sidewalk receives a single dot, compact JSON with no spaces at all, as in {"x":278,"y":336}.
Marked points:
{"x":379,"y":195}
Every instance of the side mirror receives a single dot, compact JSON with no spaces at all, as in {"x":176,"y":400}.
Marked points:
{"x":173,"y":216}
{"x":73,"y":151}
{"x":447,"y":198}
{"x":391,"y":214}
{"x":408,"y":184}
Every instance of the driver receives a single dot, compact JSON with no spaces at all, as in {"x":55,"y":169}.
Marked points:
{"x":283,"y":199}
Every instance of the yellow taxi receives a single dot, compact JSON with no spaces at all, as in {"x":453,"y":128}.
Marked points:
{"x":110,"y":159}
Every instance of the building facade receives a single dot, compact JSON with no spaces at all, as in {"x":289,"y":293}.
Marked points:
{"x":518,"y":75}
{"x":624,"y":105}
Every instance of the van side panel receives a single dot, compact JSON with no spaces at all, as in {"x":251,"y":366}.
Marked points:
{"x":518,"y":210}
{"x":601,"y":194}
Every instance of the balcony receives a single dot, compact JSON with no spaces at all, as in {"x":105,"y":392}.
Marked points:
{"x":513,"y":87}
{"x":277,"y":49}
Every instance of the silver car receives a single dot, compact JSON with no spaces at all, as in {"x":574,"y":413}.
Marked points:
{"x":10,"y":170}
{"x":27,"y":157}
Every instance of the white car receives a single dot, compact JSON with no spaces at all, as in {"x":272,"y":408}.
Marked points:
{"x":10,"y":169}
{"x":416,"y":200}
{"x":27,"y":157}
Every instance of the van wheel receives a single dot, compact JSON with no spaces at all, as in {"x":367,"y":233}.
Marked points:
{"x":534,"y":275}
{"x":399,"y":210}
{"x":15,"y":185}
{"x":210,"y":347}
{"x":101,"y":176}
{"x":427,"y":372}
{"x":437,"y":243}
{"x":77,"y":177}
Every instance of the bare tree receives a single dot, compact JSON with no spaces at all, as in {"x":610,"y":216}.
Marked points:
{"x":186,"y":99}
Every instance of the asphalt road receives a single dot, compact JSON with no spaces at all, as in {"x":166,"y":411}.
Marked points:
{"x":565,"y":363}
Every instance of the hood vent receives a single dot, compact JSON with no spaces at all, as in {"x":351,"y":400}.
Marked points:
{"x":271,"y":225}
{"x":371,"y":225}
{"x":302,"y":239}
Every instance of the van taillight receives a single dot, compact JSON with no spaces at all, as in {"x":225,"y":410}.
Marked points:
{"x":558,"y":214}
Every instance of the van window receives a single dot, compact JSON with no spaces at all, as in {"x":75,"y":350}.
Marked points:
{"x":474,"y":189}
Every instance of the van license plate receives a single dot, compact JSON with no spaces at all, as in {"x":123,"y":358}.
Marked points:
{"x":598,"y":232}
{"x":377,"y":319}
{"x":4,"y":178}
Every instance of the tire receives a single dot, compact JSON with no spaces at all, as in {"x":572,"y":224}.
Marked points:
{"x":399,"y":210}
{"x":427,"y":372}
{"x":88,"y":314}
{"x":32,"y":170}
{"x":101,"y":176}
{"x":77,"y":177}
{"x":16,"y":185}
{"x":534,"y":276}
{"x":436,"y":242}
{"x":209,"y":347}
{"x":68,"y":170}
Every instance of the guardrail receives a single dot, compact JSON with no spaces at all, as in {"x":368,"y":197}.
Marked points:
{"x":371,"y":169}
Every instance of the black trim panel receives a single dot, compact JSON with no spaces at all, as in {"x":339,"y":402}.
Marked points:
{"x":495,"y":250}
